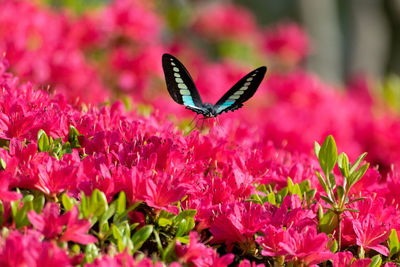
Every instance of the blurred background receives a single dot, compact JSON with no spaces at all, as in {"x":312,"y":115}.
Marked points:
{"x":346,"y":37}
{"x":333,"y":66}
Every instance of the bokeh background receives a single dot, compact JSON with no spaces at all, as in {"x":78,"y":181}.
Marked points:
{"x":333,"y":66}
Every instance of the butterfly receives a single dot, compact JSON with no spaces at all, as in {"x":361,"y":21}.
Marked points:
{"x":183,"y":90}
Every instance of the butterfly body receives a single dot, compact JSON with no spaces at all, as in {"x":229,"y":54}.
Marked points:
{"x":183,"y":90}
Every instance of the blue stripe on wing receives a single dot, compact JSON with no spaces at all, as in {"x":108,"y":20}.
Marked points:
{"x":187,"y":100}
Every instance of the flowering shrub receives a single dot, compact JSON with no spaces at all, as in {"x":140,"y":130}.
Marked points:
{"x":100,"y":185}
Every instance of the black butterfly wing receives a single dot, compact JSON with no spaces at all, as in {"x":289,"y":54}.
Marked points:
{"x":241,"y":91}
{"x":180,"y":85}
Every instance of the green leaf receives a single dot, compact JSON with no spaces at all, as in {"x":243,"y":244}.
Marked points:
{"x":322,"y":182}
{"x":73,"y":137}
{"x":328,"y":155}
{"x":320,"y":212}
{"x":38,"y":203}
{"x":327,"y":200}
{"x":164,"y":222}
{"x":281,"y":195}
{"x":290,"y":184}
{"x":332,"y":181}
{"x":98,"y":202}
{"x":103,"y":220}
{"x":43,"y":141}
{"x":358,"y":174}
{"x":355,"y":200}
{"x":297,"y":191}
{"x":357,"y":162}
{"x":67,"y":202}
{"x":3,"y":164}
{"x":351,"y":210}
{"x":317,"y":148}
{"x":84,"y":206}
{"x":182,"y":227}
{"x":310,"y":194}
{"x":141,"y":236}
{"x":185,"y":214}
{"x":305,"y":185}
{"x":91,"y":252}
{"x":334,"y":247}
{"x":394,"y":244}
{"x":271,"y":198}
{"x":262,"y":188}
{"x":125,"y":213}
{"x":116,"y":232}
{"x":376,"y":261}
{"x":340,"y":193}
{"x":168,"y":254}
{"x":121,"y":203}
{"x":329,"y":222}
{"x":343,"y":163}
{"x":183,"y":239}
{"x":21,"y":217}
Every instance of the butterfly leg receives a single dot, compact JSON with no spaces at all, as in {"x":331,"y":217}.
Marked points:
{"x":219,"y":125}
{"x":195,"y":117}
{"x":195,"y":124}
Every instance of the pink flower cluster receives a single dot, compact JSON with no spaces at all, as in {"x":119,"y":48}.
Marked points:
{"x":235,"y":177}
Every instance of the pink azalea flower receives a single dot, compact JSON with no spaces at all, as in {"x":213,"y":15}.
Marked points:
{"x":198,"y":254}
{"x":49,"y":222}
{"x":271,"y":241}
{"x":121,"y":259}
{"x":5,"y":194}
{"x":340,"y":259}
{"x":288,"y":41}
{"x":76,"y":229}
{"x":247,"y":263}
{"x":370,"y":234}
{"x":28,"y":250}
{"x":307,"y":246}
{"x":162,"y":191}
{"x":374,"y":212}
{"x":216,"y":21}
{"x":237,"y":223}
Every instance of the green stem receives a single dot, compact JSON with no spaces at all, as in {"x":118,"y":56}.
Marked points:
{"x":339,"y":214}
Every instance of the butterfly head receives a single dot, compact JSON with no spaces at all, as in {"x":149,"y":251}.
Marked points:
{"x":210,"y":110}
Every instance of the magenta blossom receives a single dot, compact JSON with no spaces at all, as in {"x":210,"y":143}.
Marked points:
{"x":198,"y":254}
{"x":49,"y":223}
{"x":76,"y":229}
{"x":307,"y":246}
{"x":29,"y":250}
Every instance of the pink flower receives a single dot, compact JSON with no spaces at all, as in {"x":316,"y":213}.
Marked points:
{"x":28,"y":250}
{"x":119,"y":260}
{"x":271,"y":241}
{"x":237,"y":223}
{"x":247,"y":263}
{"x":198,"y":254}
{"x":5,"y":194}
{"x":307,"y":246}
{"x":49,"y":222}
{"x":288,"y":42}
{"x":370,"y":234}
{"x":347,"y":259}
{"x":216,"y":21}
{"x":76,"y":229}
{"x":340,"y":259}
{"x":162,"y":191}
